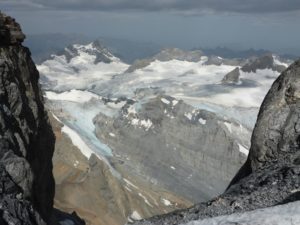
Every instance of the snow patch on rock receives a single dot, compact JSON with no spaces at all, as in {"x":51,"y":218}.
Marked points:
{"x":243,"y":150}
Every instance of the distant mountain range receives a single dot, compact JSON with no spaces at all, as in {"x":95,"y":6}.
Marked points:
{"x":247,"y":53}
{"x":44,"y":45}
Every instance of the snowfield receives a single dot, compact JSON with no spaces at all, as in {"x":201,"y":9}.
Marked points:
{"x":288,"y":214}
{"x":72,"y":96}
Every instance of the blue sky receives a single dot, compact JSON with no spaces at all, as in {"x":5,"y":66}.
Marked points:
{"x":238,"y":24}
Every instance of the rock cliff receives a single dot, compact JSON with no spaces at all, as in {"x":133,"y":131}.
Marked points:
{"x":26,"y":138}
{"x":271,"y":174}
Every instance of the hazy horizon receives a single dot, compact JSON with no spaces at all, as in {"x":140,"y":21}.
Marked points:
{"x":271,"y":25}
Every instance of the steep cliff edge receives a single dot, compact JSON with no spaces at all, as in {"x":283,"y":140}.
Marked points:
{"x":26,"y":137}
{"x":271,"y":175}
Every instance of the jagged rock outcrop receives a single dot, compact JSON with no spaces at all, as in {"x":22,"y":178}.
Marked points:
{"x":271,"y":175}
{"x":10,"y":31}
{"x":232,"y":77}
{"x":26,"y":138}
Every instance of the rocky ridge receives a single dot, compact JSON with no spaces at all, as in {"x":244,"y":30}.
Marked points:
{"x":271,"y":174}
{"x":167,"y":55}
{"x":264,"y":62}
{"x":26,"y":137}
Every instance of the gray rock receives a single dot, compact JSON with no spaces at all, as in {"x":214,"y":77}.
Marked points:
{"x":271,"y":175}
{"x":26,"y":137}
{"x":232,"y":77}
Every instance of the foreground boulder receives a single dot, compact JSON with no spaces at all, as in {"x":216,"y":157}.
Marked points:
{"x":271,"y":174}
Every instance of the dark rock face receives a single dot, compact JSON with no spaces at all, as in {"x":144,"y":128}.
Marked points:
{"x":10,"y":31}
{"x":232,"y":77}
{"x":26,"y":138}
{"x":14,"y":208}
{"x":216,"y":60}
{"x":271,"y":175}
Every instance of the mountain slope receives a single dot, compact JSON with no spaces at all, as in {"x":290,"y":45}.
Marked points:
{"x":163,"y":135}
{"x":271,"y":173}
{"x":88,"y":186}
{"x":26,"y":138}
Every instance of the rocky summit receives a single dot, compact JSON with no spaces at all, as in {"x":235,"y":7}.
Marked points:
{"x":232,"y":77}
{"x":10,"y":31}
{"x":271,"y":174}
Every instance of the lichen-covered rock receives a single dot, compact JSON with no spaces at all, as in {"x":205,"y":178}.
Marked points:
{"x":271,"y":175}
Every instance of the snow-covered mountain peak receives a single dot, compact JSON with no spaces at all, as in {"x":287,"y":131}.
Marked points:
{"x":80,"y":65}
{"x":93,"y":52}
